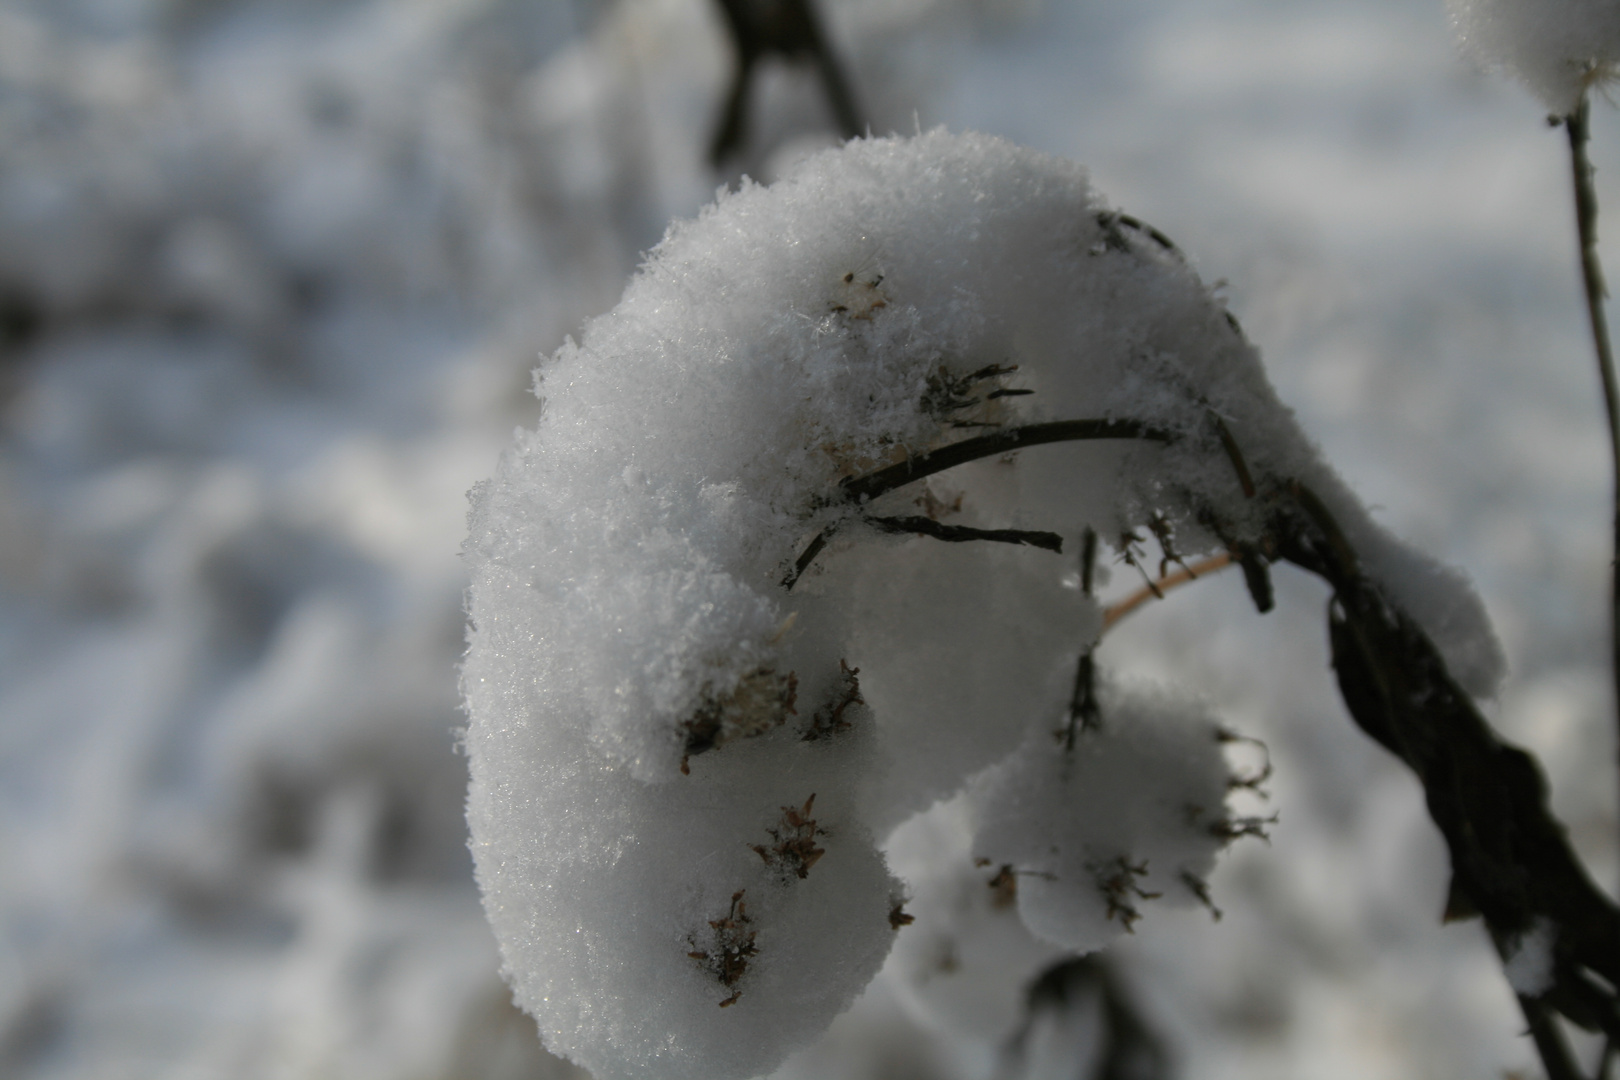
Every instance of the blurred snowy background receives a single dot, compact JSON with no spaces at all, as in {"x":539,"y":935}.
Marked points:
{"x":272,"y":277}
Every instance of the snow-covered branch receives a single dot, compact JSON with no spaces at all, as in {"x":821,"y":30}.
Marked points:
{"x":682,"y":769}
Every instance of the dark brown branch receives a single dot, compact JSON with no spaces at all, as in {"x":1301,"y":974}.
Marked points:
{"x":864,"y":488}
{"x":1239,"y":466}
{"x":1510,"y":858}
{"x":861,"y":488}
{"x":956,"y":534}
{"x":1551,"y":1045}
{"x":1085,"y":712}
{"x":806,"y":557}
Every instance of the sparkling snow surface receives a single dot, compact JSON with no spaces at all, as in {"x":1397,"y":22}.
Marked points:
{"x":273,"y":278}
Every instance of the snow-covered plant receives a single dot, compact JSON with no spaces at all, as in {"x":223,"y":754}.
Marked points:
{"x":804,"y":543}
{"x":1560,"y":49}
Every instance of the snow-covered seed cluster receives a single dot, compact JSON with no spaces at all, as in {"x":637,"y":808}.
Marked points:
{"x":732,"y":625}
{"x":1558,"y":48}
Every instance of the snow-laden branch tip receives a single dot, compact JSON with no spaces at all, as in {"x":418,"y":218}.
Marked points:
{"x":682,"y":769}
{"x":1560,"y":49}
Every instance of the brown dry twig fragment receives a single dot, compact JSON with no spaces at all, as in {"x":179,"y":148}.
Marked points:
{"x":829,"y":720}
{"x":762,"y":700}
{"x":1118,"y":882}
{"x":1004,"y":888}
{"x":1155,"y":590}
{"x":1227,"y":830}
{"x":1200,"y":889}
{"x":1131,"y":554}
{"x":727,"y":960}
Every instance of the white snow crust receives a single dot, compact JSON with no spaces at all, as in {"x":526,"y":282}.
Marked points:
{"x":641,"y":682}
{"x":1558,"y":48}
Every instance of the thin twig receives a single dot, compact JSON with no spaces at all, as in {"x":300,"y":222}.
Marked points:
{"x":956,"y":534}
{"x":862,"y":489}
{"x":1085,"y":714}
{"x":1556,"y":1057}
{"x":1113,"y":613}
{"x":1229,"y":444}
{"x":1578,"y":125}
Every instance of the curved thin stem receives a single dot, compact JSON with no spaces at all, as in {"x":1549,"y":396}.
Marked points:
{"x":1113,"y":613}
{"x":1578,"y":125}
{"x":862,"y":489}
{"x":957,"y":534}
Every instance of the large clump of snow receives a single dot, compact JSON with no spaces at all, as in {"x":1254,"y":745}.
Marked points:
{"x":684,"y":751}
{"x":1558,"y":48}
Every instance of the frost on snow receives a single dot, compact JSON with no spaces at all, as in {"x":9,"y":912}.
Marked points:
{"x":682,"y":765}
{"x":1558,"y":48}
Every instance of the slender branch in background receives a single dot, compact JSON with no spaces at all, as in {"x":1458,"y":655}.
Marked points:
{"x":1578,"y":124}
{"x":1126,"y":1048}
{"x":788,"y":29}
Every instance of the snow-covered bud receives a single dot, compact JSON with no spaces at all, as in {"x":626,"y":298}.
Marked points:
{"x":1558,"y":48}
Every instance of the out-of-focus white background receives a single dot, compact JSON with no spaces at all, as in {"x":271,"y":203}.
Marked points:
{"x":272,"y":277}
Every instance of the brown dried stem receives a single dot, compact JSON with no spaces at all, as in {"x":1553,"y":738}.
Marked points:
{"x":1578,"y":125}
{"x":1113,"y":613}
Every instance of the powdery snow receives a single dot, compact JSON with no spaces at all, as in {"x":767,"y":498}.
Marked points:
{"x":1560,"y":49}
{"x":673,"y":812}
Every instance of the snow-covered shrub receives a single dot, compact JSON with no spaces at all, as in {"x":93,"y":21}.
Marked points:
{"x":1558,"y":48}
{"x":723,"y":644}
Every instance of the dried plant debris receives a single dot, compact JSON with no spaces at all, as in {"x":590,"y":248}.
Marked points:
{"x":898,"y":915}
{"x":1121,"y":884}
{"x":762,"y":700}
{"x":1255,"y":781}
{"x":793,"y":850}
{"x":1004,"y":887}
{"x":732,"y":947}
{"x":1200,"y":889}
{"x":834,"y":718}
{"x":1228,"y":829}
{"x":859,"y":296}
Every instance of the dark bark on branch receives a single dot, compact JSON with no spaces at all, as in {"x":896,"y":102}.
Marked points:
{"x":956,"y":534}
{"x":1511,"y":860}
{"x":861,"y":488}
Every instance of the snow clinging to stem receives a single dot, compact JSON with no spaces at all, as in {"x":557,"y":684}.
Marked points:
{"x":713,"y":664}
{"x":1557,"y":48}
